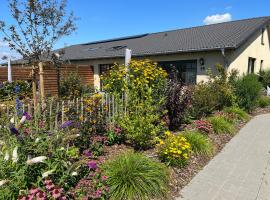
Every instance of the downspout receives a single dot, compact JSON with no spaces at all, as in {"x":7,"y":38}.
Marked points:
{"x":225,"y":60}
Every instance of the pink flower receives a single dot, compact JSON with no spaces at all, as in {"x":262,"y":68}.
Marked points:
{"x":22,"y":198}
{"x":92,"y":164}
{"x":57,"y":192}
{"x":104,"y":178}
{"x":34,"y":191}
{"x":41,"y":196}
{"x":49,"y":185}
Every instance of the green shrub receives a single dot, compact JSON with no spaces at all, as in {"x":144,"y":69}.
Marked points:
{"x":264,"y":78}
{"x":133,"y":176}
{"x":238,"y":112}
{"x":213,"y":95}
{"x":247,"y":91}
{"x":141,"y":128}
{"x":221,"y":125}
{"x":200,"y":144}
{"x":72,"y":86}
{"x":174,"y":149}
{"x":263,"y":101}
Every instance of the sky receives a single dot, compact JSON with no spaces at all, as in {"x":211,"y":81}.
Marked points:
{"x":106,"y":19}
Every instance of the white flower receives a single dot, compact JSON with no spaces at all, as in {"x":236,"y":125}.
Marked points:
{"x":22,"y":119}
{"x":37,"y":140}
{"x":15,"y":155}
{"x":47,"y":173}
{"x":6,"y":156}
{"x":2,"y":142}
{"x":74,"y":173}
{"x":12,"y":120}
{"x":36,"y":160}
{"x":3,"y":182}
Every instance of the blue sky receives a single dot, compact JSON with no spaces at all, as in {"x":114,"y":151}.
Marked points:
{"x":104,"y":19}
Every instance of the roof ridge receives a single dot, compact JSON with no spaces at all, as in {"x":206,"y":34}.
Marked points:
{"x":246,"y":19}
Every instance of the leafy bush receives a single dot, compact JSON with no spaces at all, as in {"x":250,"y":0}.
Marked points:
{"x":247,"y":91}
{"x":213,"y":95}
{"x":9,"y":91}
{"x":71,"y":86}
{"x":263,"y":101}
{"x":134,"y":176}
{"x":140,"y":76}
{"x":221,"y":125}
{"x":200,"y":144}
{"x":238,"y":112}
{"x":174,"y":149}
{"x":264,"y":78}
{"x":178,"y":102}
{"x":141,"y":127}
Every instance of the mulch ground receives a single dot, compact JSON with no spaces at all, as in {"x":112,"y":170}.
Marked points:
{"x":180,"y":177}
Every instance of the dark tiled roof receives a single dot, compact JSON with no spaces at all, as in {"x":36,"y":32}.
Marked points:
{"x":210,"y":37}
{"x":228,"y":35}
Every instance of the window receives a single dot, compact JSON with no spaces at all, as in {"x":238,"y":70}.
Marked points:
{"x":261,"y":65}
{"x":251,"y":65}
{"x":263,"y":30}
{"x":186,"y":70}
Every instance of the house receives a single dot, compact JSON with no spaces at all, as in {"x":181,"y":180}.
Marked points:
{"x":242,"y":45}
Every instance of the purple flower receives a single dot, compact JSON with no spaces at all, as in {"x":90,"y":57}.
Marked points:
{"x":92,"y":164}
{"x":87,"y":153}
{"x":28,"y":117}
{"x":66,"y":124}
{"x":14,"y":130}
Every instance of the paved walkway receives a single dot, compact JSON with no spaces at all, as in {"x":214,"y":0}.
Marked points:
{"x":241,"y":171}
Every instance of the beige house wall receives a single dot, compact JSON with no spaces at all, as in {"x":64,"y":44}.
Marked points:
{"x":211,"y":58}
{"x":238,"y":59}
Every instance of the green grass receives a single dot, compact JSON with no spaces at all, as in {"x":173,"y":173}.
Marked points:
{"x":133,"y":176}
{"x":221,"y":125}
{"x":263,"y":101}
{"x":238,"y":112}
{"x":200,"y":144}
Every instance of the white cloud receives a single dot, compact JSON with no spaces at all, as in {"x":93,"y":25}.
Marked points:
{"x":218,"y":18}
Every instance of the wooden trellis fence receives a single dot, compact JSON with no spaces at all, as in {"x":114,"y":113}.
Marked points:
{"x":56,"y":112}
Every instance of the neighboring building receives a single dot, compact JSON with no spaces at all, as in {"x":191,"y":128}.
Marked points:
{"x":243,"y":45}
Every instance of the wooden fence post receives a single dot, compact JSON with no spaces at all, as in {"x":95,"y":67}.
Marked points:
{"x":41,"y":81}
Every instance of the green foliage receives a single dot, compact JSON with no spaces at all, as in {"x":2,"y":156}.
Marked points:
{"x":263,"y":101}
{"x":221,"y":125}
{"x":214,"y":94}
{"x":247,"y":91}
{"x":238,"y":112}
{"x":264,"y":78}
{"x":200,"y":144}
{"x":71,"y":86}
{"x":134,"y":176}
{"x":174,"y":149}
{"x":142,"y":124}
{"x":9,"y":91}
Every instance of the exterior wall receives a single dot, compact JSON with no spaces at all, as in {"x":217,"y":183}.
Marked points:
{"x":211,"y":59}
{"x":238,"y":59}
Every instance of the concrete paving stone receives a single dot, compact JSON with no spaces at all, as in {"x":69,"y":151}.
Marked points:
{"x":241,"y":171}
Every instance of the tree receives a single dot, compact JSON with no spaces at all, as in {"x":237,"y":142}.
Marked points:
{"x":39,"y":24}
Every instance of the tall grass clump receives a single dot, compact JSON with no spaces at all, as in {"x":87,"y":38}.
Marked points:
{"x":133,"y":176}
{"x":263,"y":101}
{"x":239,"y":113}
{"x":221,"y":125}
{"x":200,"y":144}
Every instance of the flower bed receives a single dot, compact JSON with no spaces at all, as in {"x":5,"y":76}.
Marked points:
{"x":155,"y":137}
